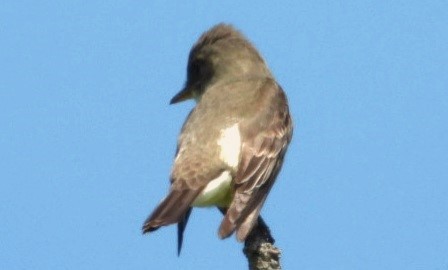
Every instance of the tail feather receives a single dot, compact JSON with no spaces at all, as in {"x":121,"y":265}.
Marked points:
{"x":180,"y":230}
{"x":171,"y":210}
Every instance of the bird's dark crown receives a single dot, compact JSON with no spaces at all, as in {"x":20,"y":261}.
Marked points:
{"x":222,"y":53}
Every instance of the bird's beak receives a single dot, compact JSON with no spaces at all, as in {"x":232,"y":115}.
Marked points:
{"x":183,"y":95}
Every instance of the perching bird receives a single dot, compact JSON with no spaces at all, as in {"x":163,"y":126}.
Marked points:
{"x":231,"y":147}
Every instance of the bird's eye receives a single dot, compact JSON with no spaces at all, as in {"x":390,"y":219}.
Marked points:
{"x":199,"y":70}
{"x":196,"y":69}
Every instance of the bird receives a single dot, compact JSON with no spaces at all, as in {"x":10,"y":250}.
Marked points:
{"x":232,"y":145}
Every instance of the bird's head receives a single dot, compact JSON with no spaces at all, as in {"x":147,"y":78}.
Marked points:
{"x":221,"y":55}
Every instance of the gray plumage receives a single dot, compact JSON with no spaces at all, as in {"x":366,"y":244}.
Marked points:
{"x":234,"y":88}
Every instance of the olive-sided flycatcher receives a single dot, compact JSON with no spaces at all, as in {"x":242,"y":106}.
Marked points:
{"x":231,"y":147}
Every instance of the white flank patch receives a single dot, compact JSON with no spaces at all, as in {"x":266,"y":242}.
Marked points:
{"x":230,"y":142}
{"x":215,"y":191}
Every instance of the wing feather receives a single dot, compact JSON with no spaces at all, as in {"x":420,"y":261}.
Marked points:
{"x":265,"y":140}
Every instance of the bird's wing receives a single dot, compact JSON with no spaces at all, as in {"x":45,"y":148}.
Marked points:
{"x":191,"y":172}
{"x":176,"y":207}
{"x":264,"y":141}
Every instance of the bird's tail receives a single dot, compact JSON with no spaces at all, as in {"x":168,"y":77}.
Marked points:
{"x":175,"y":208}
{"x":171,"y":210}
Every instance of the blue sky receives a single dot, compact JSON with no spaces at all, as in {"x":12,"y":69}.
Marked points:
{"x":87,"y":135}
